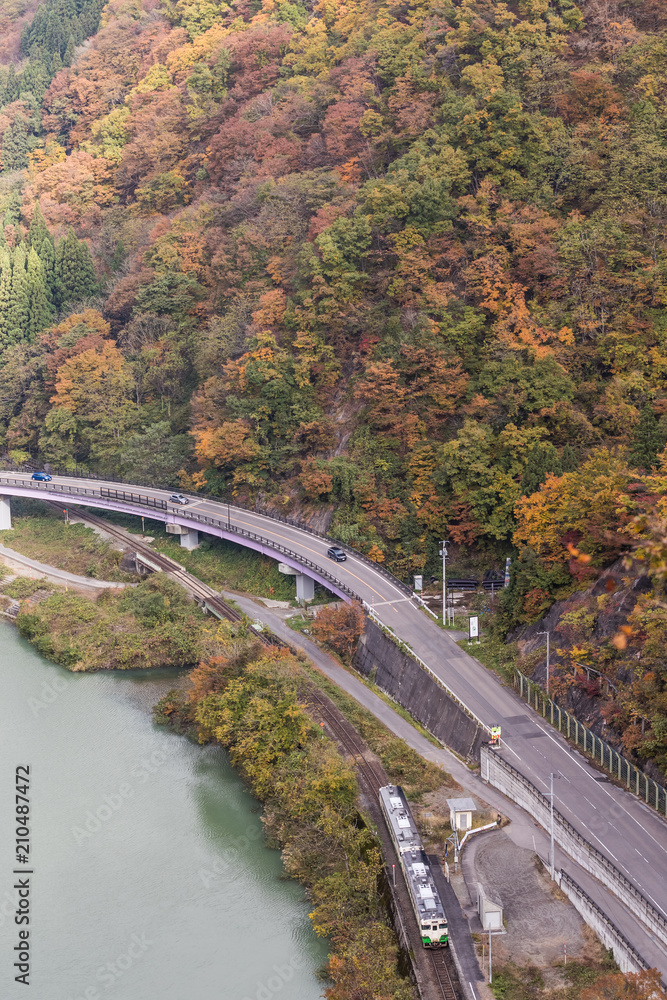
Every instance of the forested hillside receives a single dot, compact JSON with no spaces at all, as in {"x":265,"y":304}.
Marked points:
{"x":399,"y":265}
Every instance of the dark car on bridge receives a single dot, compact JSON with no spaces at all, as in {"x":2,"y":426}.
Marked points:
{"x":42,"y":477}
{"x":335,"y":553}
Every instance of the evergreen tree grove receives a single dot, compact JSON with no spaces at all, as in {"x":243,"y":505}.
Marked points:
{"x":40,"y":311}
{"x":648,"y":441}
{"x":75,"y":270}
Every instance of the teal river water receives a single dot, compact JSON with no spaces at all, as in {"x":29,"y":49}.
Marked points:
{"x":151,"y":879}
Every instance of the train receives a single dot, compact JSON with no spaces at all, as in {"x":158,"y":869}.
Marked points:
{"x":424,"y":896}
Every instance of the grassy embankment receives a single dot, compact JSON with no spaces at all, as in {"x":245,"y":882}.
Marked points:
{"x":579,"y":980}
{"x":40,"y":533}
{"x":150,"y":625}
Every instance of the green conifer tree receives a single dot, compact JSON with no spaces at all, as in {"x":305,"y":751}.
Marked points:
{"x":40,"y":311}
{"x":542,"y":459}
{"x":648,"y":441}
{"x":39,"y":231}
{"x":12,"y":215}
{"x":12,"y":85}
{"x":15,"y":146}
{"x":68,"y":57}
{"x":88,"y":284}
{"x":5,"y":289}
{"x":47,"y":255}
{"x":75,"y":270}
{"x":17,"y":312}
{"x":118,"y":255}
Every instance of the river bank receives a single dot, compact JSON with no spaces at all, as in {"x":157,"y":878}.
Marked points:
{"x":252,"y":703}
{"x":138,"y":834}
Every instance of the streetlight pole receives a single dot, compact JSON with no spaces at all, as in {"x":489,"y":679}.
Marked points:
{"x":443,"y":553}
{"x":547,"y":635}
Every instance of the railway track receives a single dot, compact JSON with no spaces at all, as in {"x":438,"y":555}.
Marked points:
{"x":200,"y":591}
{"x":373,"y":776}
{"x":371,"y":773}
{"x":446,"y":974}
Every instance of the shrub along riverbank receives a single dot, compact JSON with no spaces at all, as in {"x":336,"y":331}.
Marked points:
{"x":150,"y":625}
{"x":249,"y":702}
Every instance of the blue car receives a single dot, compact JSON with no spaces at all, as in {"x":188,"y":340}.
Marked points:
{"x":42,"y":477}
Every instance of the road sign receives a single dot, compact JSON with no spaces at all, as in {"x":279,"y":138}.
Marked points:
{"x":419,"y":582}
{"x":473,"y":627}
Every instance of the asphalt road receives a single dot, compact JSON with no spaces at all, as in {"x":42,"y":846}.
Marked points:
{"x":627,"y":831}
{"x":523,"y":830}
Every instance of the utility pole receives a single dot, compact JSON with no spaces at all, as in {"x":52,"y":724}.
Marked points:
{"x":490,"y":970}
{"x":547,"y":635}
{"x":443,"y":553}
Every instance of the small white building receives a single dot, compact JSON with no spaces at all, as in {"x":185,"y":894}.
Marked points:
{"x":490,"y":912}
{"x":460,"y":813}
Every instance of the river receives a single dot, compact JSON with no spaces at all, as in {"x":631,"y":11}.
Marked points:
{"x":151,"y":879}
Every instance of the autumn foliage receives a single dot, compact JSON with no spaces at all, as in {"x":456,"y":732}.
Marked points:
{"x":340,"y":627}
{"x":404,"y":273}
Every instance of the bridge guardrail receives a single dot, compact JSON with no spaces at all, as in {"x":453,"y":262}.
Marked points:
{"x":293,"y":522}
{"x":121,"y":496}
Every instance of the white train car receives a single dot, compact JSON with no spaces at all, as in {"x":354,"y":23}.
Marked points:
{"x":426,"y":902}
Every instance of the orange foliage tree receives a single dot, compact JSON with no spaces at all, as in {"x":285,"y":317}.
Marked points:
{"x":340,"y":627}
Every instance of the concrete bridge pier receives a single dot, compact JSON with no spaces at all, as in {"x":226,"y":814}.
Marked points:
{"x":5,"y":514}
{"x":305,"y":585}
{"x":189,"y":536}
{"x":305,"y":588}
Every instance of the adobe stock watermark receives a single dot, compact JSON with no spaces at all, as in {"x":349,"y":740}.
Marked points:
{"x":113,"y":801}
{"x":9,"y":906}
{"x":231,"y":855}
{"x":283,"y":974}
{"x":108,"y":975}
{"x":50,"y":691}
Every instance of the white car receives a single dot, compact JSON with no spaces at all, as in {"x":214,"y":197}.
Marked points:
{"x":178,"y":498}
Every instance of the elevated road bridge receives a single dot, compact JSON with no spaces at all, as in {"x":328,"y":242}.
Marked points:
{"x":629,"y":833}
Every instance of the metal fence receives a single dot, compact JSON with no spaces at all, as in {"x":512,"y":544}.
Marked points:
{"x":601,"y":752}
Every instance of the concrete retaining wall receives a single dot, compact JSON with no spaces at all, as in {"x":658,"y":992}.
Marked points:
{"x":507,"y":779}
{"x":403,"y":679}
{"x":627,"y":958}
